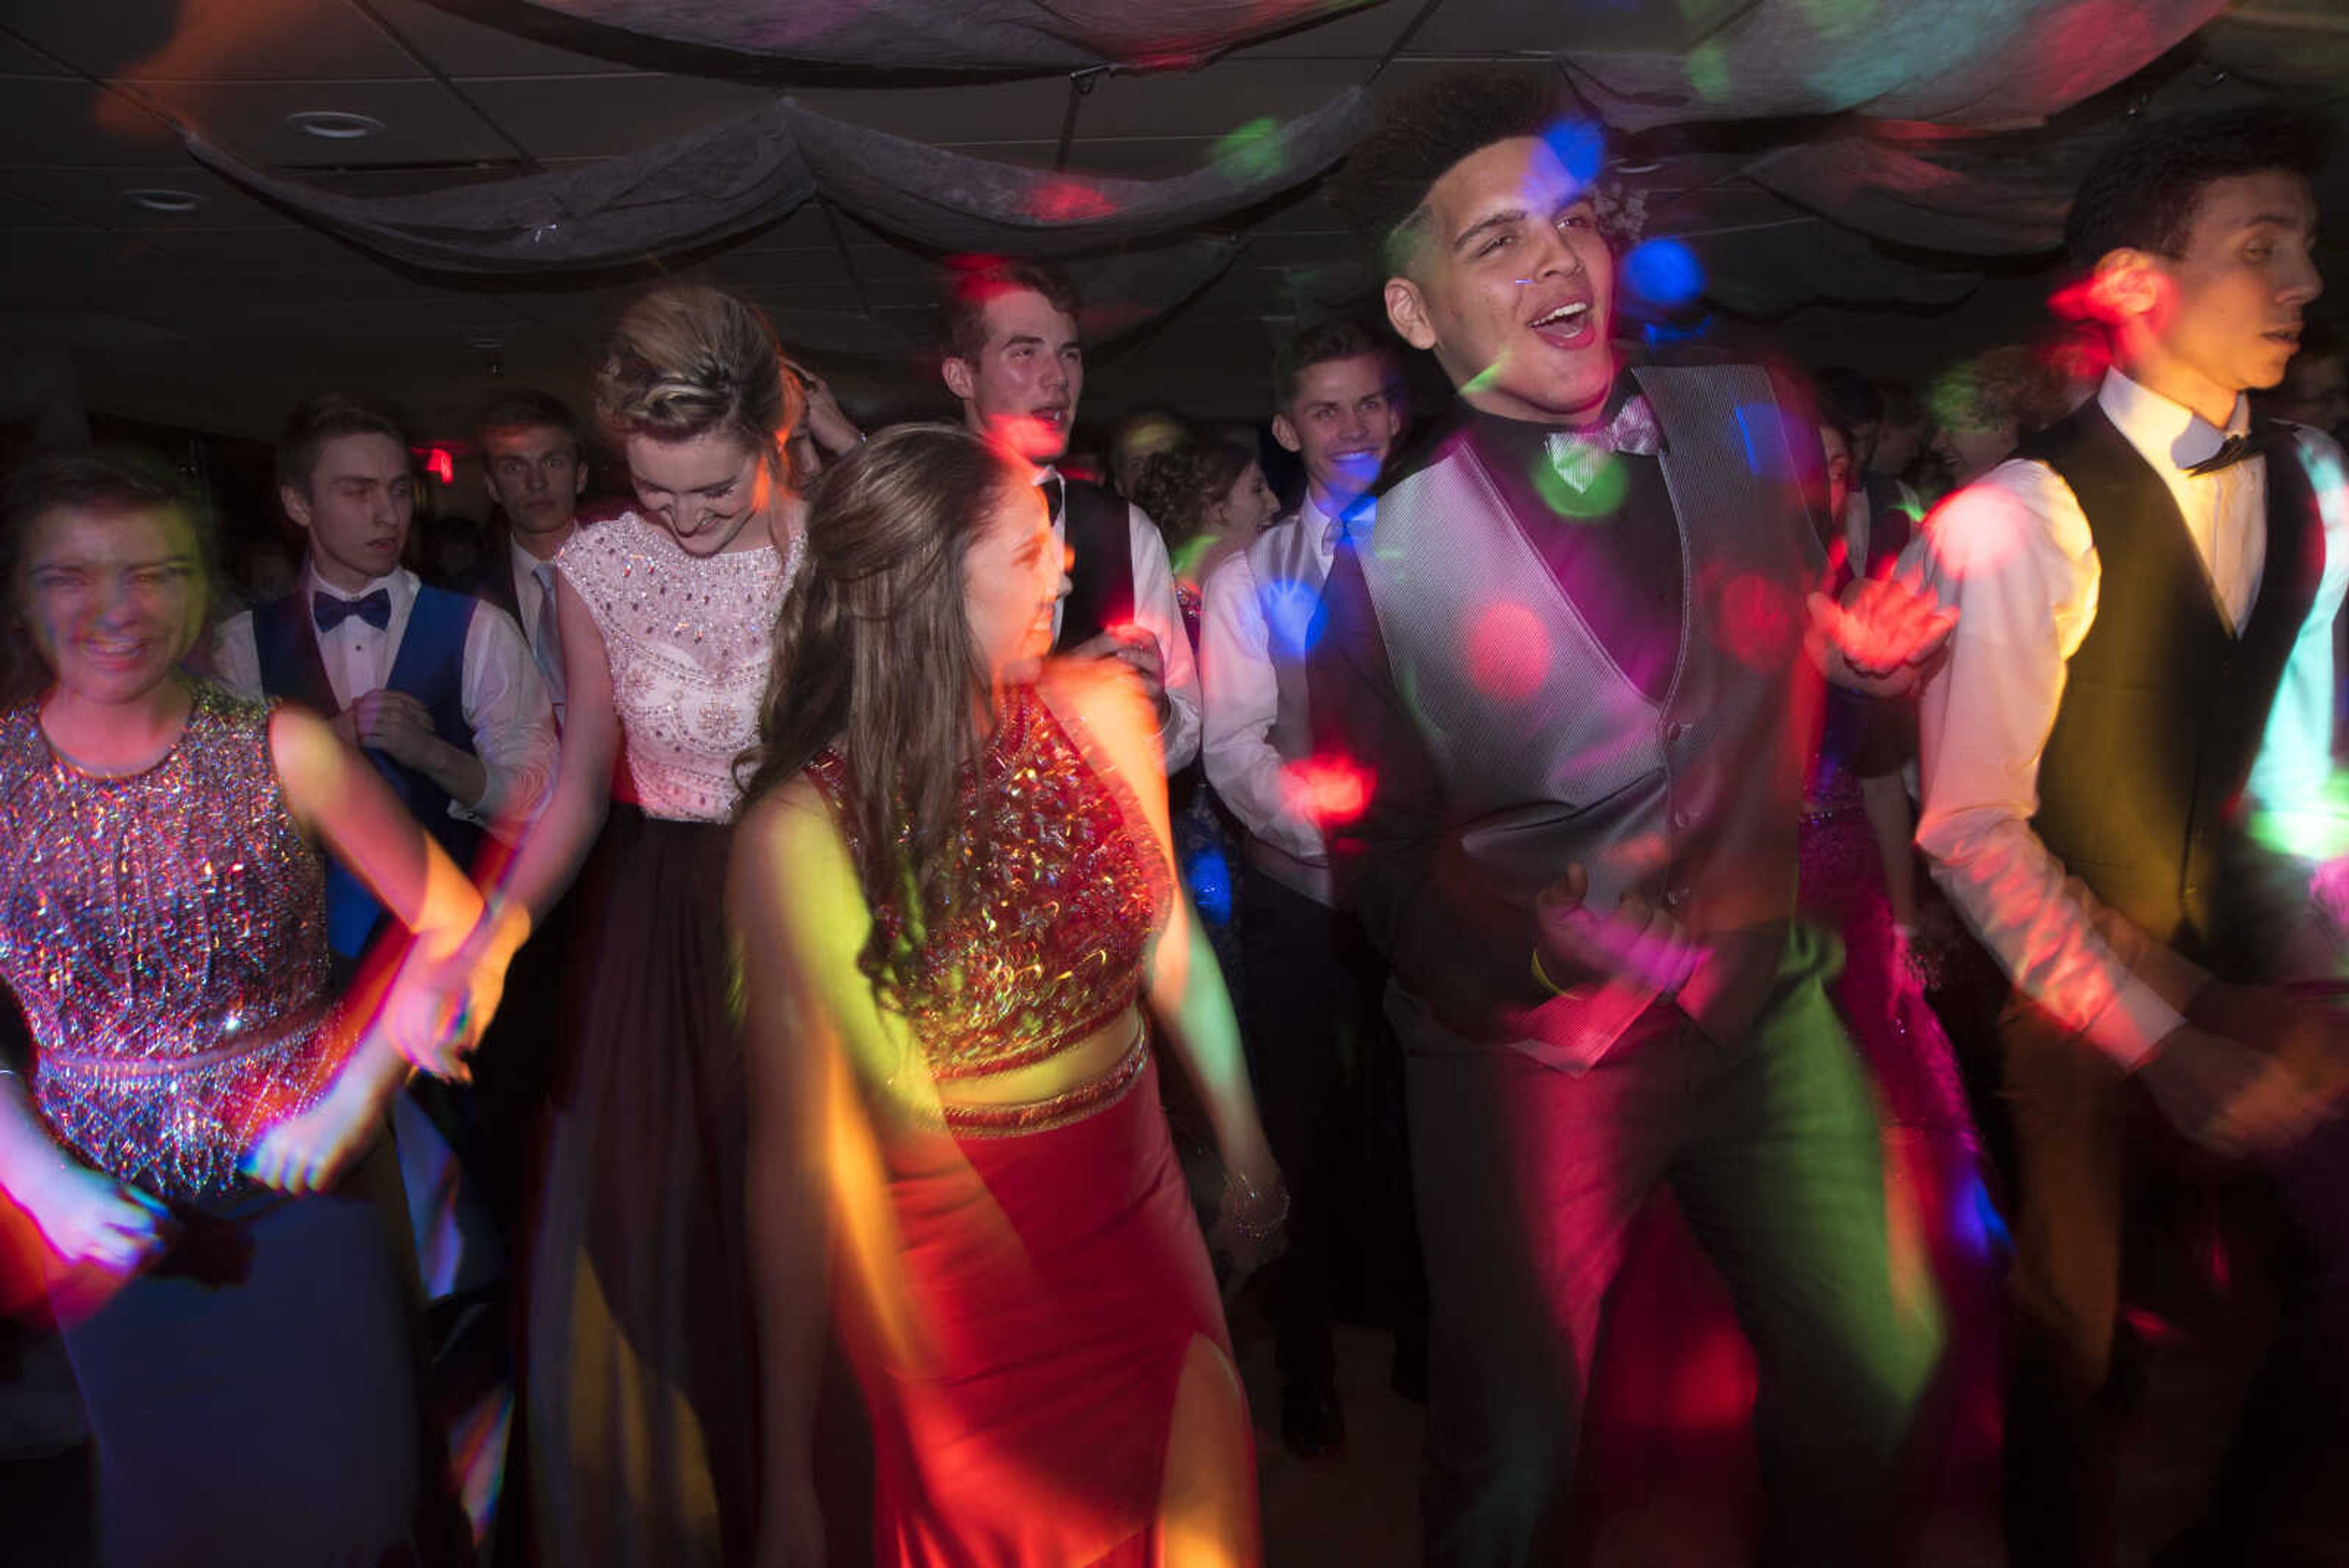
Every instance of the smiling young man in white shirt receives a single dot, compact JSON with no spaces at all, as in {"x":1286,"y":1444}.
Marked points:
{"x":2143,"y":665}
{"x":1340,"y":407}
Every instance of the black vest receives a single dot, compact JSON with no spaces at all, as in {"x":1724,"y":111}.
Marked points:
{"x":430,"y":667}
{"x":2141,"y":783}
{"x":1101,"y":572}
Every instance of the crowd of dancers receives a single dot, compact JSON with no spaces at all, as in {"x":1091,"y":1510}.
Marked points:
{"x":648,"y":1050}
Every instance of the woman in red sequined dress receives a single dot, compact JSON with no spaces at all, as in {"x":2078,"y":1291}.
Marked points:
{"x":953,"y":903}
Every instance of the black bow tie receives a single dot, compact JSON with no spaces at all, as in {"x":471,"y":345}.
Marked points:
{"x":2232,"y":450}
{"x":330,"y":611}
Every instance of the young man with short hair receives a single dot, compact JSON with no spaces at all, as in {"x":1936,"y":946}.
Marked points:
{"x":1338,"y":405}
{"x":439,"y":690}
{"x":1012,"y":357}
{"x":1571,"y":660}
{"x":534,"y":460}
{"x":2142,"y":668}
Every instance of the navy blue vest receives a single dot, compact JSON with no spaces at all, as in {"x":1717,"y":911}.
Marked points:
{"x":428,"y":667}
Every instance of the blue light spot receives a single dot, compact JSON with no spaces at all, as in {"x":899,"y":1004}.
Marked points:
{"x":1767,"y":453}
{"x":1660,"y":333}
{"x":1289,"y":622}
{"x":1979,"y":1224}
{"x":1210,"y":876}
{"x":1580,"y":146}
{"x":1663,"y":272}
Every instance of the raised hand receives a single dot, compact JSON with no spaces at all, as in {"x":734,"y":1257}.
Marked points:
{"x":1876,"y":638}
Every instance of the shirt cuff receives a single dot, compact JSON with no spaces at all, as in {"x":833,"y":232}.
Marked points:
{"x":2133,"y":1023}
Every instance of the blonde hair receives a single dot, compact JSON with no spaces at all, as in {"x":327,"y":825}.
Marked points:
{"x":688,"y":360}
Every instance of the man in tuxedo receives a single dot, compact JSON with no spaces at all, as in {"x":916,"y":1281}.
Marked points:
{"x":1572,"y":655}
{"x":534,"y":460}
{"x":1012,"y":358}
{"x":1339,"y":401}
{"x":443,"y":695}
{"x":2123,"y":760}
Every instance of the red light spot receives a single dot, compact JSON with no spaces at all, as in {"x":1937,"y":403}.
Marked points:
{"x":1757,"y":621}
{"x":1508,"y":651}
{"x":441,"y":464}
{"x":1332,"y":790}
{"x":1067,"y":200}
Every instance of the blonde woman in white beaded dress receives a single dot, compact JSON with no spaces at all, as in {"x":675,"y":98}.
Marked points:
{"x":640,"y":1421}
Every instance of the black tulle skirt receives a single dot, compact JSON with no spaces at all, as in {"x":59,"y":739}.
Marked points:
{"x":642,"y":1407}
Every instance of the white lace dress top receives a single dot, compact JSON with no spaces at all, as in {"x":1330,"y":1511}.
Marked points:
{"x":689,"y":638}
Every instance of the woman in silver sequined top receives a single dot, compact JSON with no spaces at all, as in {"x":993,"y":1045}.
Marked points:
{"x":201,"y":1147}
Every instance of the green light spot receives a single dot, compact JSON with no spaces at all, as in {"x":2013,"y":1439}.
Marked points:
{"x":1254,"y":151}
{"x":1708,"y":71}
{"x":1590,"y":489}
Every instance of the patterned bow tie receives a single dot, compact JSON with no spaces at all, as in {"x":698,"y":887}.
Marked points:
{"x":1579,"y":455}
{"x":2232,"y":450}
{"x":330,"y":611}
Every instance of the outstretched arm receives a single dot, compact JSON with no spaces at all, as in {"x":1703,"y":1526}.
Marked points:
{"x":335,"y":794}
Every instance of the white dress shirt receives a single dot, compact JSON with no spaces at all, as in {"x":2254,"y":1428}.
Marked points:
{"x":2012,"y":553}
{"x":1242,"y":695}
{"x":504,"y":700}
{"x":1158,"y":612}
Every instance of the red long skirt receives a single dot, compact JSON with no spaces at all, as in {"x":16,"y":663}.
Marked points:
{"x":1050,"y":1290}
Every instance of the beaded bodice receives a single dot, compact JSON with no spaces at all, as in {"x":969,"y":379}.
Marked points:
{"x":691,"y":639}
{"x":165,"y":933}
{"x":1064,"y":891}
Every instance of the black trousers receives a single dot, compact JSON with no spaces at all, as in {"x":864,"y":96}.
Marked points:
{"x":1316,"y":1056}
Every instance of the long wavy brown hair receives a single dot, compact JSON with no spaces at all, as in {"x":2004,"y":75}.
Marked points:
{"x":874,"y":655}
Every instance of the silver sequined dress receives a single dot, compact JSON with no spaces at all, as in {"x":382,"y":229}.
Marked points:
{"x":165,"y":934}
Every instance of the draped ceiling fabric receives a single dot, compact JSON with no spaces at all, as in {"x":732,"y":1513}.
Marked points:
{"x":735,"y":177}
{"x":961,"y":35}
{"x":1952,"y":131}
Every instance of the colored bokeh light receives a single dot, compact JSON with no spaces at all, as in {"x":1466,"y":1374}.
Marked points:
{"x":1332,"y":790}
{"x":1254,"y":151}
{"x":1508,"y":651}
{"x":1582,"y":487}
{"x":1289,"y":617}
{"x":1663,"y":272}
{"x":1759,"y":624}
{"x":1580,"y":147}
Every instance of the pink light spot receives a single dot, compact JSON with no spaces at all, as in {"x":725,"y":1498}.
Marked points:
{"x":1068,"y":201}
{"x":1508,"y":651}
{"x":1333,"y":789}
{"x":1758,"y":621}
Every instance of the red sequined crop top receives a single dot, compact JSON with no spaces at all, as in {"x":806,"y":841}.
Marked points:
{"x":1047,"y":942}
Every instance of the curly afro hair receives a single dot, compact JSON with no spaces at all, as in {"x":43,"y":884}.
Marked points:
{"x":2141,"y":195}
{"x":1382,"y":189}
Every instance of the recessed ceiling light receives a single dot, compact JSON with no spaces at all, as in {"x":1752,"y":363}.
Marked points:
{"x":1648,"y":167}
{"x":335,"y":125}
{"x":485,"y":343}
{"x":156,"y":199}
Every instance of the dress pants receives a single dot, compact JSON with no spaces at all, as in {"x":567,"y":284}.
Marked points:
{"x":1529,"y":1179}
{"x":2081,"y":1148}
{"x":1305,"y":1019}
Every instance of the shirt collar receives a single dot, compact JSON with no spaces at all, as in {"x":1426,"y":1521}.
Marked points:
{"x":524,"y":564}
{"x":2162,"y":431}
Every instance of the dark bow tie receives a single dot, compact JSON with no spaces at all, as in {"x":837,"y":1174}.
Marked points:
{"x":2232,"y":450}
{"x":330,"y":611}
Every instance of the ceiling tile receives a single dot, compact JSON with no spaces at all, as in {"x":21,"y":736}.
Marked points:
{"x":556,"y":116}
{"x":214,"y":40}
{"x":463,"y":48}
{"x":18,"y":59}
{"x":1028,"y":111}
{"x":96,"y":196}
{"x":1217,"y":101}
{"x":1365,"y":34}
{"x":424,"y":122}
{"x":67,"y":124}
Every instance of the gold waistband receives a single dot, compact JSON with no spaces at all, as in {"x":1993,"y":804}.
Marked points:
{"x":1059,"y":1110}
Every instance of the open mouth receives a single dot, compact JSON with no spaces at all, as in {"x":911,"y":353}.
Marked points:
{"x":1570,"y":326}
